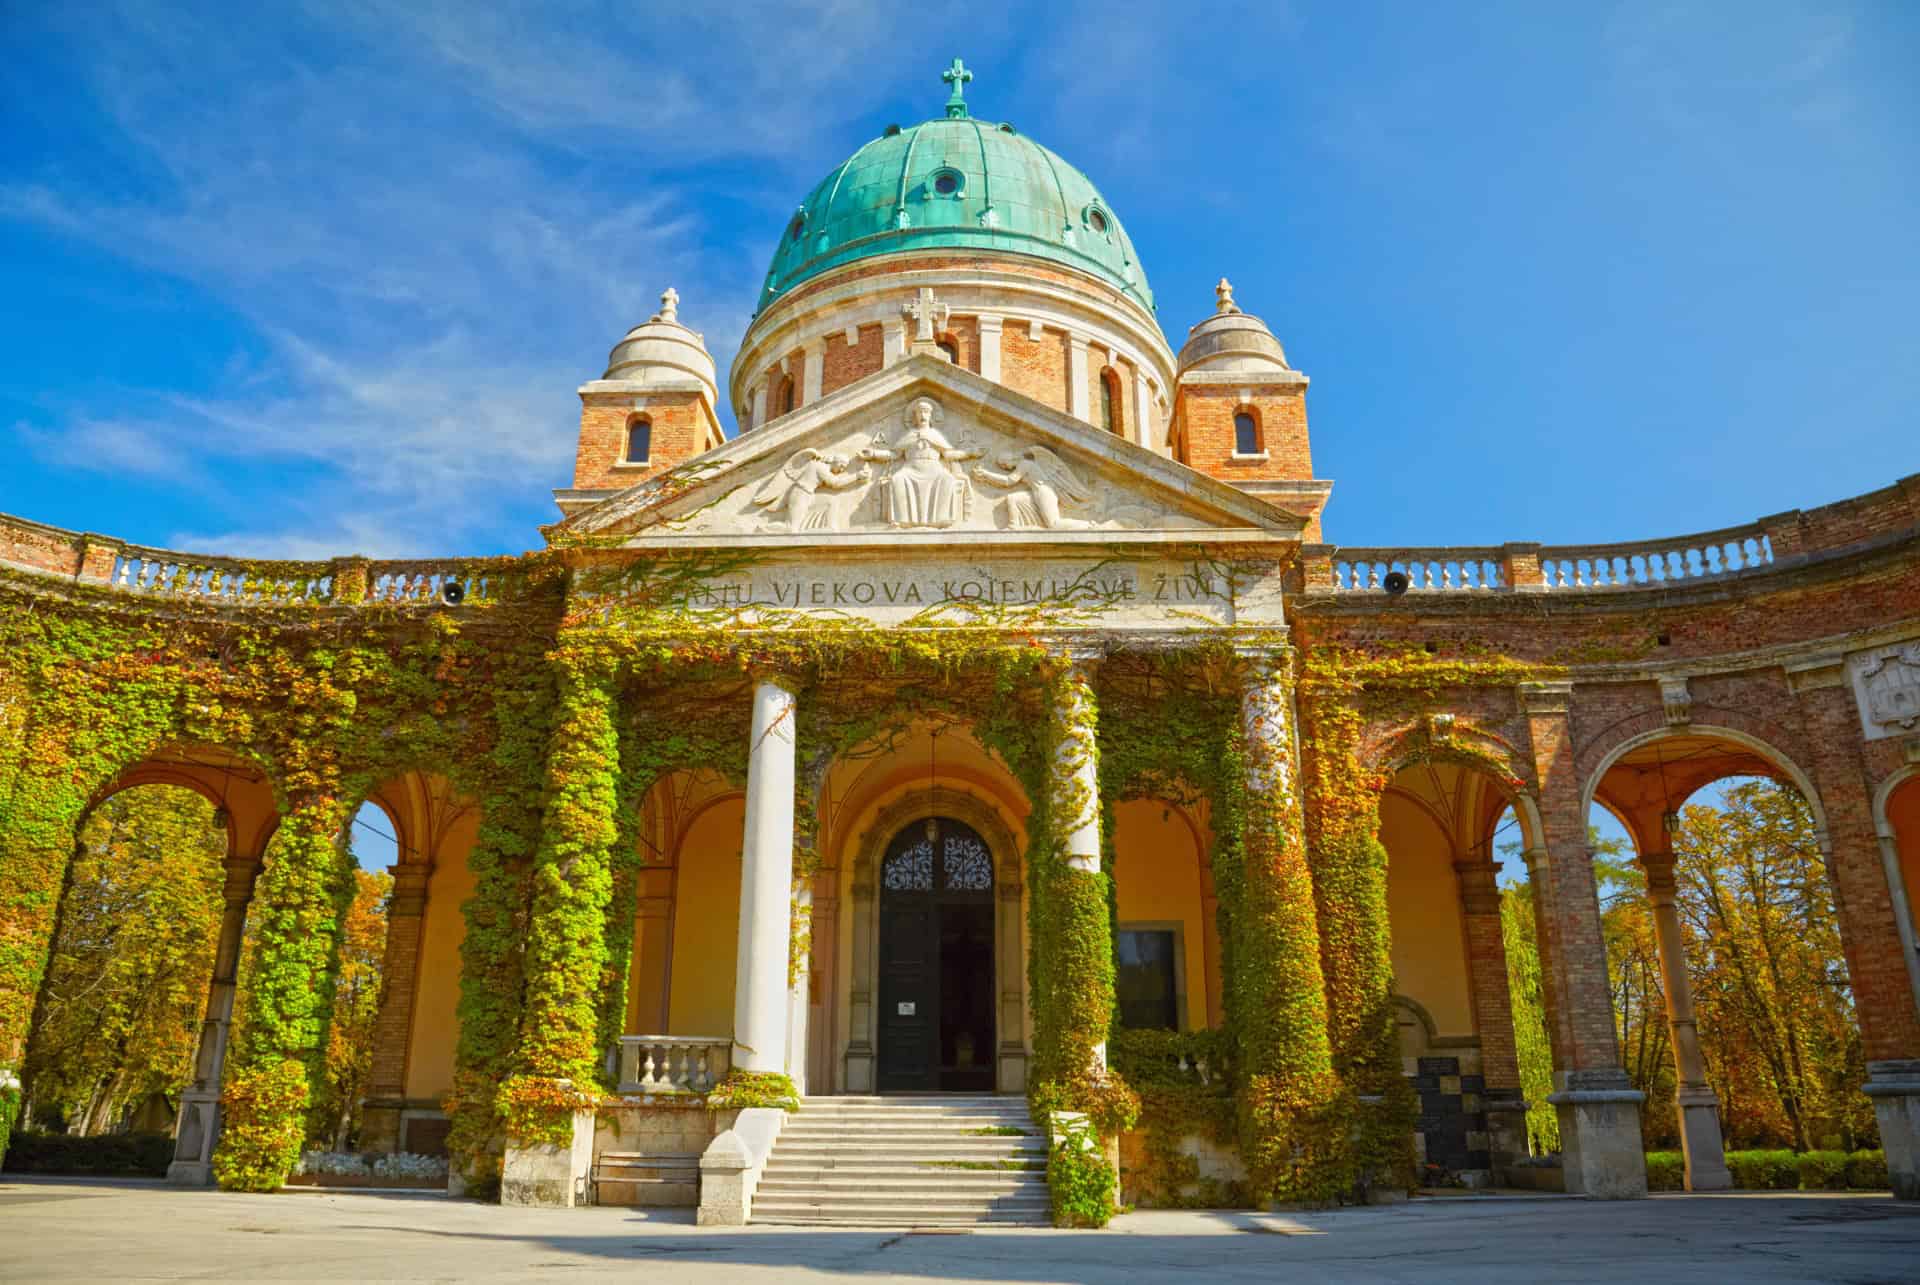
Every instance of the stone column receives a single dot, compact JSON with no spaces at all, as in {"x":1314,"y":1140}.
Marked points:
{"x":1143,"y":423}
{"x":1699,"y":1109}
{"x":989,"y":346}
{"x":1598,"y":1106}
{"x":760,"y":402}
{"x":822,"y":978}
{"x":766,"y":885}
{"x":380,"y":1112}
{"x":198,"y":1131}
{"x":1074,"y":802}
{"x":1077,"y":377}
{"x":860,"y":1052}
{"x":893,"y":342}
{"x":1869,"y":933}
{"x":813,"y":371}
{"x":1492,"y":1003}
{"x":1011,"y":1076}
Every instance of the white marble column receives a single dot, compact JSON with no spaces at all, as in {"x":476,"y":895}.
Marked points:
{"x":760,"y":402}
{"x":1077,"y":377}
{"x":1700,"y":1139}
{"x":1077,"y":770}
{"x":990,"y":347}
{"x":766,"y":885}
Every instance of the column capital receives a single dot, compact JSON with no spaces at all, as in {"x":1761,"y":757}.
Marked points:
{"x":1479,"y":885}
{"x":989,"y":321}
{"x":410,"y":881}
{"x":1660,"y":877}
{"x":1548,"y":697}
{"x":1079,"y":654}
{"x":1263,"y":653}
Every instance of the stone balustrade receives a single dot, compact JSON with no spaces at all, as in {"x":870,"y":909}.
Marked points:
{"x":673,"y":1063}
{"x":224,"y":580}
{"x":1637,"y":564}
{"x":417,"y":581}
{"x":1426,"y":569}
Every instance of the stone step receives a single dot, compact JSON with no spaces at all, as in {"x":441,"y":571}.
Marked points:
{"x":914,"y":1099}
{"x":839,"y":1189}
{"x":842,"y":1205}
{"x":884,"y":1171}
{"x":884,"y":1153}
{"x":862,"y":1133}
{"x":806,"y":1217}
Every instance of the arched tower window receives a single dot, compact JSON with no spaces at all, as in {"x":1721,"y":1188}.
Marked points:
{"x":639,"y":440}
{"x":951,"y":349}
{"x":783,"y":405}
{"x":1246,"y":433}
{"x":1110,"y":414}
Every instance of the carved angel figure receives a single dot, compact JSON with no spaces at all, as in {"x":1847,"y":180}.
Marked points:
{"x":1044,"y":481}
{"x":924,"y":486}
{"x":793,"y":497}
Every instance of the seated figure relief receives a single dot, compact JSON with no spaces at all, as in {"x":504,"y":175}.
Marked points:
{"x":923,"y":485}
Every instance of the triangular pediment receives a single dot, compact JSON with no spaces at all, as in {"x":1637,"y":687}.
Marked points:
{"x":926,"y":453}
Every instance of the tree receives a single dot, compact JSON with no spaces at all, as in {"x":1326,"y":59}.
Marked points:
{"x":1529,"y":1018}
{"x":335,"y":1121}
{"x":126,"y":986}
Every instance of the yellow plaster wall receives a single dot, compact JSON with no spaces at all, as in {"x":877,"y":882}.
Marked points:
{"x":1423,"y":909}
{"x":706,"y":922}
{"x":436,"y":1026}
{"x":1157,"y":876}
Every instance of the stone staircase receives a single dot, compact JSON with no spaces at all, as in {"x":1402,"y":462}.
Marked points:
{"x":906,"y":1162}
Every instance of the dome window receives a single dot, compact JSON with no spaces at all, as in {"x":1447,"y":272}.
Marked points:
{"x":1097,"y":220}
{"x":948,"y":182}
{"x":639,"y":440}
{"x":799,"y":226}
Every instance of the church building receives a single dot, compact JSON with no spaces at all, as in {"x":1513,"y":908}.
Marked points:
{"x":983,"y":751}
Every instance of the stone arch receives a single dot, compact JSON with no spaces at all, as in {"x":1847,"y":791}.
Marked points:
{"x":234,"y":781}
{"x":1767,"y":752}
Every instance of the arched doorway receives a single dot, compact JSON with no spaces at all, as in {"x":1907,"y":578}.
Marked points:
{"x":936,"y":975}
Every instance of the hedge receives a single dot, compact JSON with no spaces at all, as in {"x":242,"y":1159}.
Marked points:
{"x":113,"y":1155}
{"x":1780,"y":1170}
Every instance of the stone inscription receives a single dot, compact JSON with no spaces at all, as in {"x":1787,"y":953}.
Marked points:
{"x":1119,"y":586}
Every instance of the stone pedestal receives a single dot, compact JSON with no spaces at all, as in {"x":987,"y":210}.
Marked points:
{"x":1601,"y":1151}
{"x":550,"y":1176}
{"x":1700,"y":1140}
{"x":380,"y":1124}
{"x":1894,"y":1087}
{"x":1506,"y":1132}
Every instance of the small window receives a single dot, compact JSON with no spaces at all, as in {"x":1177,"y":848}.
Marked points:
{"x":946,"y":182}
{"x":784,"y":406}
{"x":1145,"y":983}
{"x":1246,"y":434}
{"x":1110,"y":401}
{"x":799,"y":226}
{"x":951,"y":349}
{"x":1097,"y":221}
{"x":639,"y":439}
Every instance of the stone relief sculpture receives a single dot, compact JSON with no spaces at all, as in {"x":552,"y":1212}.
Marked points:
{"x":1892,"y":684}
{"x":1043,"y":481}
{"x":923,"y":485}
{"x":796,"y":497}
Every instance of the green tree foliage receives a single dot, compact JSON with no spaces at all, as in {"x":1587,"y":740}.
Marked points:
{"x":126,"y":986}
{"x":335,"y":1123}
{"x":1529,"y":1017}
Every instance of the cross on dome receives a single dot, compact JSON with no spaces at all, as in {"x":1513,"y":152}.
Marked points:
{"x":957,"y":76}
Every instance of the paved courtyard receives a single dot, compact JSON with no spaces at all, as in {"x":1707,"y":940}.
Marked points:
{"x":90,"y":1230}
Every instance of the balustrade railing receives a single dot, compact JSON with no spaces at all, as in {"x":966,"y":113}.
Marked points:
{"x":427,"y":581}
{"x":673,"y":1063}
{"x":1425,"y":569}
{"x":226,"y":580}
{"x":1639,"y":563}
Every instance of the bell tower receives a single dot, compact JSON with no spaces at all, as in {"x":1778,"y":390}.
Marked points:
{"x":651,"y":410}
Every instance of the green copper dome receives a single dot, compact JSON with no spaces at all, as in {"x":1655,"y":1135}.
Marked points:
{"x":959,"y":182}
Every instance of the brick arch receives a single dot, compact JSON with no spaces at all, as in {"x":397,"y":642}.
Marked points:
{"x":1758,"y":745}
{"x":1505,"y":769}
{"x":237,"y":781}
{"x":1759,"y":732}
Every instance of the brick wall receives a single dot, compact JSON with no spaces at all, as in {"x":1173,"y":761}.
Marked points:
{"x":1035,"y":367}
{"x":683,"y":427}
{"x":1204,"y":420}
{"x":845,"y":364}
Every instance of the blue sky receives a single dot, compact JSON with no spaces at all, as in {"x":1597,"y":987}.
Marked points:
{"x":309,"y":279}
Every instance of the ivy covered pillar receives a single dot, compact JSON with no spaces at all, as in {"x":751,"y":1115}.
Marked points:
{"x":1491,"y":1001}
{"x":1597,"y":1105}
{"x":547,"y":1105}
{"x":197,"y":1131}
{"x":1071,"y":927}
{"x":277,"y":1056}
{"x":383,"y":1109}
{"x":1295,"y":1117}
{"x":766,"y":885}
